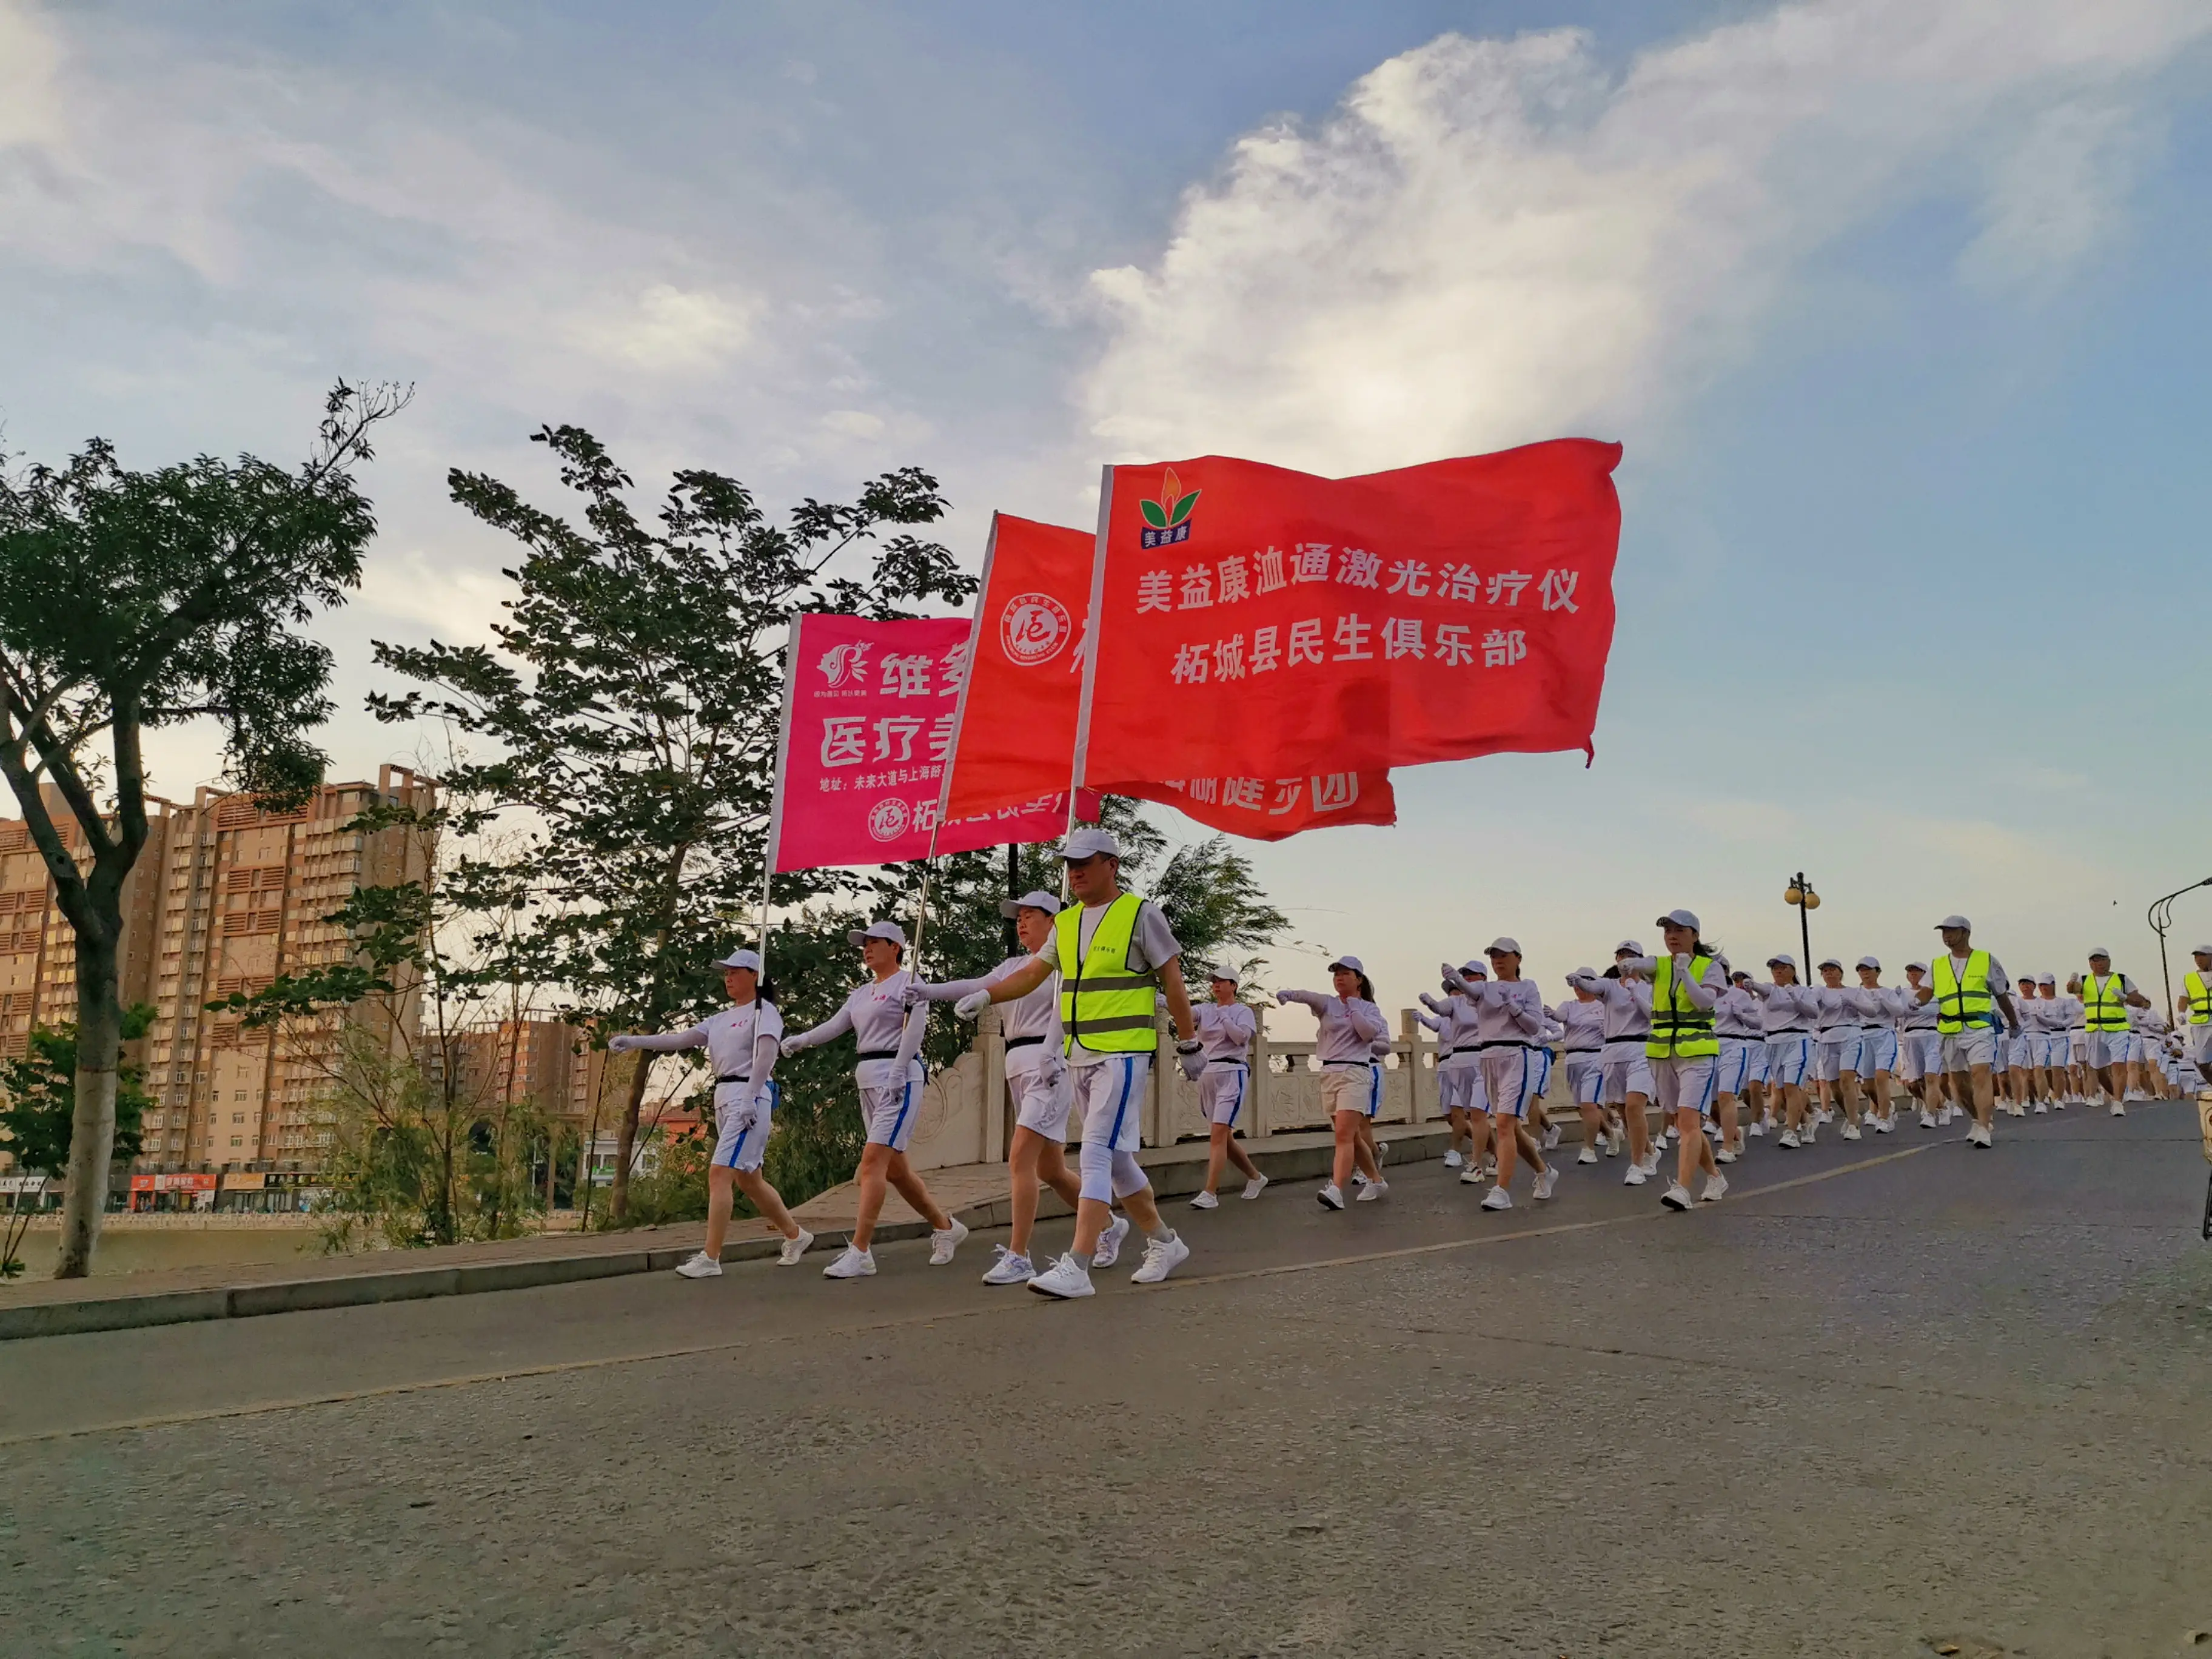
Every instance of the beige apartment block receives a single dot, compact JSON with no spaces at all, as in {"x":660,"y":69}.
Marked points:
{"x":225,"y":898}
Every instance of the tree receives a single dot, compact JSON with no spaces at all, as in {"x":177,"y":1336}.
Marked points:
{"x":633,"y":699}
{"x":131,"y":601}
{"x":37,"y":1110}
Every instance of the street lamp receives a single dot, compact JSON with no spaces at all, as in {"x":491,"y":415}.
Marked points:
{"x":2160,"y":917}
{"x":1801,"y":894}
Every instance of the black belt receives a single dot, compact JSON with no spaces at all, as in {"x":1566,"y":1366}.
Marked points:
{"x":1228,"y":1062}
{"x":1506,"y":1042}
{"x":878,"y":1054}
{"x":1012,"y":1044}
{"x":1740,"y":1036}
{"x":1791,"y":1030}
{"x":733,"y":1079}
{"x":1580,"y":1051}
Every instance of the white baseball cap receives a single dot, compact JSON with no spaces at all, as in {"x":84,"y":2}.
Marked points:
{"x":890,"y":931}
{"x":1678,"y":919}
{"x":2046,"y":979}
{"x":1502,"y":947}
{"x":2096,"y":950}
{"x":1954,"y":920}
{"x":1221,"y":970}
{"x":1830,"y":962}
{"x":1628,"y":947}
{"x":2200,"y":950}
{"x":741,"y":959}
{"x":1873,"y":963}
{"x":1087,"y":841}
{"x":1478,"y":966}
{"x":1351,"y":962}
{"x":1037,"y":900}
{"x":1584,"y":973}
{"x":1785,"y":960}
{"x":1910,"y":966}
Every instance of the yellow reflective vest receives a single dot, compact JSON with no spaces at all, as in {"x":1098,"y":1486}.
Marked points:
{"x":1104,"y":1004}
{"x":2200,"y":998}
{"x":1679,"y":1028}
{"x":2102,"y":1003}
{"x":1962,"y":1003}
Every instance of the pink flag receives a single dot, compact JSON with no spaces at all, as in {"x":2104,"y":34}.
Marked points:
{"x":868,"y":723}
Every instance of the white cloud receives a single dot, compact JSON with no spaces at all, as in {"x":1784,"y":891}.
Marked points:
{"x":1493,"y":241}
{"x":30,"y":62}
{"x":2057,"y":196}
{"x":457,"y":604}
{"x":669,"y":329}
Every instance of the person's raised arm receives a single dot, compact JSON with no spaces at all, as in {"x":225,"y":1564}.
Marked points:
{"x":662,"y":1042}
{"x":910,"y":1034}
{"x":1370,"y":1027}
{"x":1433,"y":1006}
{"x":1313,"y":1000}
{"x":828,"y":1031}
{"x":1454,"y":980}
{"x":1433,"y":1024}
{"x":1527,"y":1012}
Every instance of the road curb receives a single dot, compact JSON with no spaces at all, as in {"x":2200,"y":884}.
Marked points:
{"x":1174,"y":1174}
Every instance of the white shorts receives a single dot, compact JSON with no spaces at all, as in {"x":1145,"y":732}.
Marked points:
{"x":891,"y":1113}
{"x":2019,"y":1051}
{"x":2052,"y":1050}
{"x":1787,"y":1059}
{"x":1221,"y":1090}
{"x":1625,"y":1072}
{"x":2111,"y":1048}
{"x":1346,"y":1087}
{"x":1743,"y":1062}
{"x":1964,"y":1050}
{"x":1877,"y":1052}
{"x":2000,"y":1052}
{"x":1109,"y":1094}
{"x":1833,"y":1057}
{"x":1686,"y":1085}
{"x":1585,"y":1077}
{"x":2200,"y":1045}
{"x":1043,"y":1098}
{"x":1920,"y":1054}
{"x":1515,"y":1079}
{"x":1459,"y":1087}
{"x":741,"y":1127}
{"x":2078,"y":1042}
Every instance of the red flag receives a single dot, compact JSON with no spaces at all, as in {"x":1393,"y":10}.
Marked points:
{"x":1272,"y":809}
{"x":1025,"y":682}
{"x":868,"y":723}
{"x":1267,"y":623}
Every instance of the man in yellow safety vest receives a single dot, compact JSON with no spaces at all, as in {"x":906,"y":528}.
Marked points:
{"x":1111,"y":951}
{"x":1967,"y":986}
{"x":2195,"y":1008}
{"x":2116,"y":1052}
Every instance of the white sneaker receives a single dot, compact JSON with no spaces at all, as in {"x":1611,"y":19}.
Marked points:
{"x":1373,"y":1190}
{"x":1724,"y":1155}
{"x":1812,"y":1131}
{"x":1490,"y":1168}
{"x":2138,"y":1098}
{"x":1471,"y":1175}
{"x":1452,"y":1159}
{"x":1382,"y":1153}
{"x":1787,"y":1140}
{"x":852,"y":1264}
{"x":1551,"y":1136}
{"x":1162,"y":1257}
{"x":700,"y":1266}
{"x":1202,"y":1199}
{"x":1824,"y":1115}
{"x":1498,"y":1199}
{"x":1064,"y":1280}
{"x":1588,"y":1155}
{"x":1887,"y":1126}
{"x":794,"y":1249}
{"x":1757,"y":1128}
{"x":1850,"y":1131}
{"x":2119,"y":1109}
{"x":1359,"y":1177}
{"x":1331,"y":1196}
{"x":942,"y":1245}
{"x":1651,"y":1161}
{"x":1009,"y":1268}
{"x":1255,"y":1186}
{"x":1676,"y":1197}
{"x":2017,"y":1109}
{"x":1109,"y":1244}
{"x":1546,"y":1181}
{"x":1614,"y":1143}
{"x":1635,"y":1177}
{"x":2042,"y":1108}
{"x":1716,"y":1189}
{"x":1927,"y":1120}
{"x":1977,"y":1136}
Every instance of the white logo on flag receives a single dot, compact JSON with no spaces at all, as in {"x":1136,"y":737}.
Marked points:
{"x":841,"y":663}
{"x":1033,"y":629}
{"x":887,"y":819}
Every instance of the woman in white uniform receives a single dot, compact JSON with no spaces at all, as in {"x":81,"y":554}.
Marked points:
{"x":1459,"y":1071}
{"x":1920,"y":1049}
{"x":1509,"y":1033}
{"x":1742,"y":1031}
{"x":1836,"y":1023}
{"x":1787,"y":1011}
{"x":889,"y":1076}
{"x":1879,"y":1010}
{"x":1627,"y":1074}
{"x":2053,"y":1052}
{"x":1037,"y":1076}
{"x":1581,"y":1024}
{"x":1226,"y":1029}
{"x":1351,"y":1025}
{"x":741,"y":1043}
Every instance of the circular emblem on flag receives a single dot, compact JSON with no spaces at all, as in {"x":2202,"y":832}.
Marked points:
{"x":1033,"y":628}
{"x":887,"y":819}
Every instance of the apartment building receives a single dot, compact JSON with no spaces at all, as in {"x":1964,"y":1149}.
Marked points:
{"x":224,"y":898}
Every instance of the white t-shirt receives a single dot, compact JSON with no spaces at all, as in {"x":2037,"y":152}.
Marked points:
{"x":875,"y":1016}
{"x":1227,"y":1029}
{"x":729,"y":1038}
{"x":1151,"y":946}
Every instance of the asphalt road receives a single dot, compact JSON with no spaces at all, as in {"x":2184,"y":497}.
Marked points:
{"x":1886,"y":1398}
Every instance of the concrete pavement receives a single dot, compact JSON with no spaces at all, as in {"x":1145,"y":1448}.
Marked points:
{"x":1887,"y":1397}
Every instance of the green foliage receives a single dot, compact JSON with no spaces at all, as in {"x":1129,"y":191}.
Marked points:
{"x":38,"y":1120}
{"x":674,"y":1188}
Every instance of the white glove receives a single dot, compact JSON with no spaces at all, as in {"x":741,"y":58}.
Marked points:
{"x":1194,"y":1060}
{"x":912,"y":995}
{"x":1283,"y":997}
{"x":972,"y":1004}
{"x":623,"y":1044}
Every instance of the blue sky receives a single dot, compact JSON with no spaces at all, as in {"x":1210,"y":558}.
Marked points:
{"x":1899,"y":308}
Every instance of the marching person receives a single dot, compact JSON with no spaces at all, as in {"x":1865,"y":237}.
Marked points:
{"x":1509,"y":1029}
{"x":1836,"y":1045}
{"x":1226,"y":1030}
{"x":889,"y":1076}
{"x":1121,"y":947}
{"x":1459,"y":1071}
{"x":2021,"y":1055}
{"x":1351,"y":1025}
{"x":1920,"y":1049}
{"x":1787,"y":1011}
{"x":1968,"y":987}
{"x":1582,"y":1027}
{"x":1880,"y":1009}
{"x":741,"y":1043}
{"x":2106,"y":999}
{"x":2054,"y":1048}
{"x":1627,"y":1075}
{"x":1683,"y":1051}
{"x":2195,"y":1008}
{"x":2077,"y":1042}
{"x":1742,"y":1032}
{"x":1037,"y":1078}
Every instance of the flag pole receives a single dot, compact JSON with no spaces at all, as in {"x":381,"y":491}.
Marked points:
{"x":782,"y":766}
{"x":1093,"y":630}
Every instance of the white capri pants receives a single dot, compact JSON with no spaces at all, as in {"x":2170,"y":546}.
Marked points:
{"x":1787,"y":1059}
{"x":1043,"y":1096}
{"x":1626,"y":1071}
{"x":1585,"y":1077}
{"x":1834,"y":1056}
{"x":1686,"y":1084}
{"x":1459,"y":1086}
{"x":1110,"y":1095}
{"x":1877,"y":1051}
{"x":742,"y":1123}
{"x":1515,"y":1078}
{"x":1743,"y":1062}
{"x":1221,"y":1090}
{"x":1920,"y":1054}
